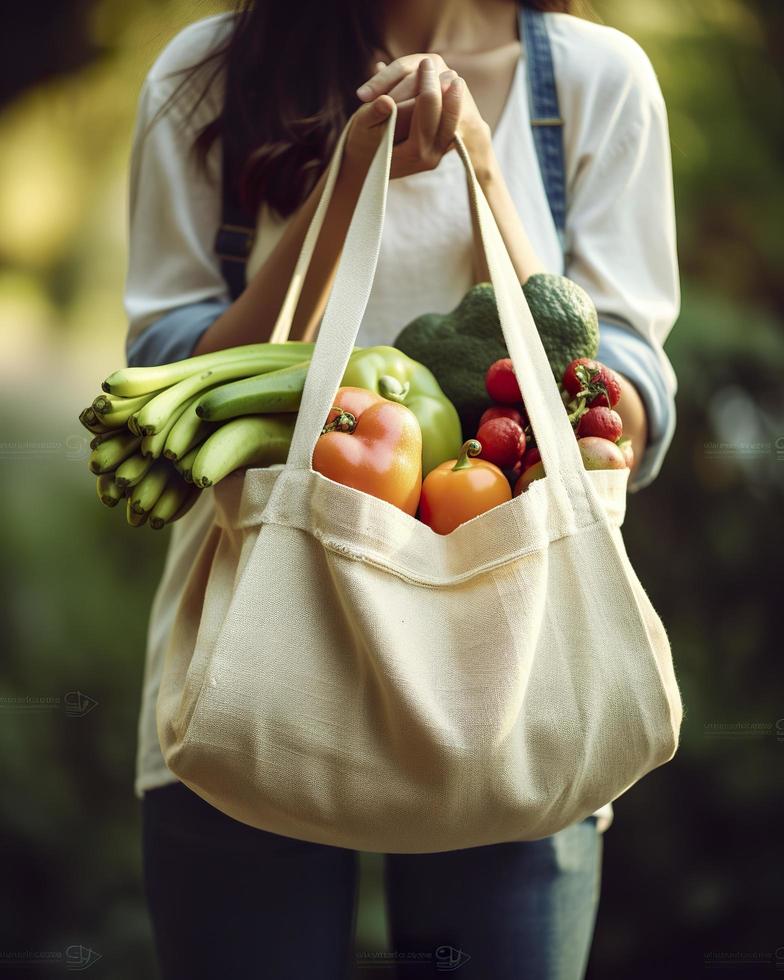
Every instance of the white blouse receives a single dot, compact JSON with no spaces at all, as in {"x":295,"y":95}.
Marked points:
{"x":620,"y":247}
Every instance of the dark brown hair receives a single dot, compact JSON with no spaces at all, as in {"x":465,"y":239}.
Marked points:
{"x":291,"y":74}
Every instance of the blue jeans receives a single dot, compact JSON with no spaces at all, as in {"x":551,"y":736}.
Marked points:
{"x":229,"y":901}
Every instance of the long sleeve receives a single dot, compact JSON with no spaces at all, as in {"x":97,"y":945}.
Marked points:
{"x":621,"y":244}
{"x":174,"y":336}
{"x":174,"y":288}
{"x":626,"y":351}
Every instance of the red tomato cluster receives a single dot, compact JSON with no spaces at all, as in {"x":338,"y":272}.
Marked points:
{"x":590,"y":392}
{"x":502,"y":458}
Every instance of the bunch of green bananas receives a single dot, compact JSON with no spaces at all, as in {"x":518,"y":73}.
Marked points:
{"x":152,"y":447}
{"x":163,"y":433}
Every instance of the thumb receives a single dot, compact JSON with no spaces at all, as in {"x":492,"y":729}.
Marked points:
{"x":367,"y":126}
{"x":369,"y":114}
{"x":382,"y":106}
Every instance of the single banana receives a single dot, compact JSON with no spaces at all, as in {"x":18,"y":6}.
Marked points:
{"x":145,"y":494}
{"x":102,"y":403}
{"x":131,"y":470}
{"x":188,"y":431}
{"x":133,"y":381}
{"x":120,"y":410}
{"x":184,"y":466}
{"x":100,"y":437}
{"x":170,"y":501}
{"x":252,"y":440}
{"x":110,"y":453}
{"x":108,"y":492}
{"x":134,"y":519}
{"x":105,"y":404}
{"x":91,"y":422}
{"x":275,"y":391}
{"x":152,"y":445}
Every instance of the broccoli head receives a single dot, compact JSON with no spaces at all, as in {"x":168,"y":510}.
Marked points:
{"x":458,"y":347}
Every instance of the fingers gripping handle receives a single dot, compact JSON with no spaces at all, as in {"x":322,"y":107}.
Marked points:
{"x":349,"y":297}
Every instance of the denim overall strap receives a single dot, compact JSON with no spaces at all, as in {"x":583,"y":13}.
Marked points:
{"x":236,"y":234}
{"x":546,"y":120}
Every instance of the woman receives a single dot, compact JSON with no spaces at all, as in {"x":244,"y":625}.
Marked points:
{"x":273,"y":86}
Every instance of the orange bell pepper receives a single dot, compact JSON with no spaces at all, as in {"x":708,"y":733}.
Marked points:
{"x":373,"y":445}
{"x":460,"y":489}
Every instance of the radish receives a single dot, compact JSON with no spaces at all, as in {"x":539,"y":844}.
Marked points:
{"x":501,"y":382}
{"x":503,"y":441}
{"x":600,"y":454}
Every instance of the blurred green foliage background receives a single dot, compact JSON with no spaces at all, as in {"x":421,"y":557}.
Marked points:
{"x":691,"y":865}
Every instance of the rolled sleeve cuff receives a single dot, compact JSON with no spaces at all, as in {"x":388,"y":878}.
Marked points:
{"x":174,"y":335}
{"x":626,"y":351}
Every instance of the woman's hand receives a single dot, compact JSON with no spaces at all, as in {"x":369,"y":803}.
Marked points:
{"x":401,"y":80}
{"x":431,"y":110}
{"x":634,"y":416}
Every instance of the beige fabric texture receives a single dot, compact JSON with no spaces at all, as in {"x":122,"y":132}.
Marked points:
{"x":339,"y":673}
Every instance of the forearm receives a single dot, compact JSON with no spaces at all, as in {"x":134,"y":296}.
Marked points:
{"x":251,"y":317}
{"x":522,"y":253}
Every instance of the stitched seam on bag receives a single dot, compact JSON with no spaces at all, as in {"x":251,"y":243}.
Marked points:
{"x":331,"y":544}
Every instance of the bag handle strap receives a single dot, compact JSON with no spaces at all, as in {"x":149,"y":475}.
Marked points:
{"x":236,"y":234}
{"x":349,"y":297}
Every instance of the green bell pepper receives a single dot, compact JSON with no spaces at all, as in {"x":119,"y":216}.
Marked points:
{"x":394,"y":375}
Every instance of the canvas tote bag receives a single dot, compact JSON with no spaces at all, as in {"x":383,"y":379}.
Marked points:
{"x":339,"y":673}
